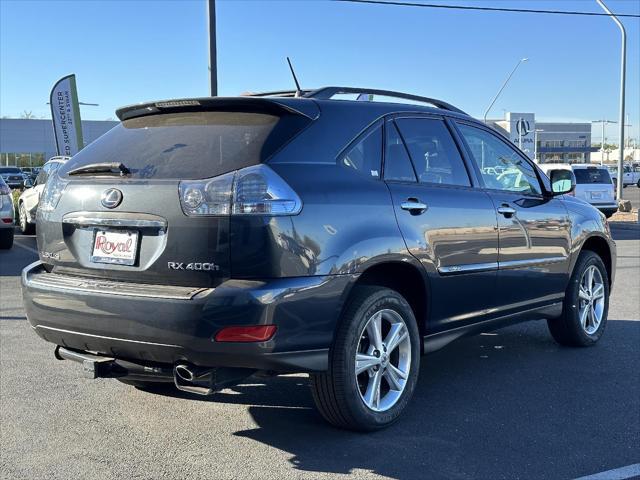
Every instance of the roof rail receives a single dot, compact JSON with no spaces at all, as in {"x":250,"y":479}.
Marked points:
{"x":329,"y":92}
{"x":326,"y":93}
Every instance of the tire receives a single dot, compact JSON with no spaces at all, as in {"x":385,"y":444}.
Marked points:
{"x":638,"y":184}
{"x":6,"y":238}
{"x":568,"y":329}
{"x":339,"y":393}
{"x":25,"y":227}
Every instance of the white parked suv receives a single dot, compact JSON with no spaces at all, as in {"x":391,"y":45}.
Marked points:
{"x":631,"y":175}
{"x":28,"y":201}
{"x":593,"y":185}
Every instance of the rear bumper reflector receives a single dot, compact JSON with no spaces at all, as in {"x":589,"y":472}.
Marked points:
{"x":251,"y":333}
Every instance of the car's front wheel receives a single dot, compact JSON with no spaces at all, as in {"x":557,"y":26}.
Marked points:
{"x":25,"y":227}
{"x":586,"y":304}
{"x":373,"y":364}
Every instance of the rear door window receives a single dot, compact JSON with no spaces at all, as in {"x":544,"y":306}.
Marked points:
{"x":434,"y":154}
{"x":397,"y":164}
{"x":592,"y":175}
{"x":191,"y":145}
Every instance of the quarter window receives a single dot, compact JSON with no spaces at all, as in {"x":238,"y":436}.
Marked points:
{"x":434,"y":154}
{"x":366,"y":154}
{"x":502,"y":168}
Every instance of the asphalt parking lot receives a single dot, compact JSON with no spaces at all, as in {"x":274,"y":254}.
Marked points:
{"x":508,"y":404}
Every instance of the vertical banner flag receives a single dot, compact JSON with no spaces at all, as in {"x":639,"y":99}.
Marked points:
{"x":65,"y":112}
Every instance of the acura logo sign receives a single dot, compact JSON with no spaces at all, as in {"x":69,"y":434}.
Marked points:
{"x":522,"y":127}
{"x":111,"y":198}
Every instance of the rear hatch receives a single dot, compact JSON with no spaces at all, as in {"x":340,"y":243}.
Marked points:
{"x":114,"y":210}
{"x":594,"y":185}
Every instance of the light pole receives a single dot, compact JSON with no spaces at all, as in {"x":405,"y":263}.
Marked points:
{"x":522,"y":60}
{"x":604,"y":135}
{"x":535,"y":143}
{"x":213,"y":60}
{"x":623,"y":72}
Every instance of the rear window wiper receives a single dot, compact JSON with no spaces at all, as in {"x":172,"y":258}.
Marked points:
{"x":101,"y":168}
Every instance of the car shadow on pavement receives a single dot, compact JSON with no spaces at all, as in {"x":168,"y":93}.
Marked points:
{"x":506,"y":404}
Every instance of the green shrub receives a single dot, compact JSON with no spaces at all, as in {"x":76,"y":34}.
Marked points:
{"x":16,"y":194}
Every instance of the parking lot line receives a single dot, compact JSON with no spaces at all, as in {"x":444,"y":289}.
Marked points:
{"x":24,"y":247}
{"x":622,"y":473}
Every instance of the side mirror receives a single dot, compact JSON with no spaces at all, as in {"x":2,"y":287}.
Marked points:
{"x":562,"y":181}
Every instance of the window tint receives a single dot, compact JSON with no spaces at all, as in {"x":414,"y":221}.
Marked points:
{"x":190,"y":145}
{"x":502,"y":168}
{"x":366,"y":154}
{"x":592,"y":175}
{"x":434,"y":154}
{"x":397,"y":165}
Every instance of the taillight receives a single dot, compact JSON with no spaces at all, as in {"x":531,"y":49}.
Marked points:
{"x":256,"y":190}
{"x":52,"y":192}
{"x":4,"y":189}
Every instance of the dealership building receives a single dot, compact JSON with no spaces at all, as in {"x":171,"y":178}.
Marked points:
{"x":547,"y":142}
{"x":30,"y":142}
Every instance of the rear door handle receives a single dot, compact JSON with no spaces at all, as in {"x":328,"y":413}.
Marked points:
{"x":507,"y":211}
{"x":414,"y":206}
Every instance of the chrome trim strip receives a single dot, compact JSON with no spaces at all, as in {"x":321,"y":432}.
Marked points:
{"x":82,"y":220}
{"x":468,"y":268}
{"x":486,"y":267}
{"x":530,"y":262}
{"x":60,"y":330}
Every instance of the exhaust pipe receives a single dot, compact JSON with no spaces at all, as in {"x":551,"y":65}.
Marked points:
{"x":200,"y":381}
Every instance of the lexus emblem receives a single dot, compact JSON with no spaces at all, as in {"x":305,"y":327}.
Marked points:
{"x":111,"y":198}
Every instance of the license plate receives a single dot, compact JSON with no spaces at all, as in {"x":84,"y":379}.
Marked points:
{"x":596,"y":195}
{"x":117,"y":247}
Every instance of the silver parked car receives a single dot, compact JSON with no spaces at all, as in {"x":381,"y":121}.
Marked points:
{"x":6,"y":216}
{"x":30,"y":198}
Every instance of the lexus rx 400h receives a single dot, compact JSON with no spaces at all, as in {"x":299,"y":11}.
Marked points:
{"x":204,"y":240}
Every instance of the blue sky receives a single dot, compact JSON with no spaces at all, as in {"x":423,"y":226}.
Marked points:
{"x":127,"y":52}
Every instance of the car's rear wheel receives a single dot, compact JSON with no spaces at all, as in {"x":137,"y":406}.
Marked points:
{"x":586,"y":304}
{"x":25,"y":227}
{"x":6,"y":238}
{"x":373,"y":364}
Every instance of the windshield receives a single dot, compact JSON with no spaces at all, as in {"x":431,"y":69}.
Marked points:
{"x":10,"y":170}
{"x":592,"y":175}
{"x":190,"y":145}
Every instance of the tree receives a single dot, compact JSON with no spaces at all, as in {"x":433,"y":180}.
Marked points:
{"x":27,"y":115}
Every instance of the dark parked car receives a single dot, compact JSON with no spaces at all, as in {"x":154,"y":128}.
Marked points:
{"x":12,"y":176}
{"x":203,"y":240}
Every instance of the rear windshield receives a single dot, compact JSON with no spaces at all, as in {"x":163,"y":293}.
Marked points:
{"x":190,"y":145}
{"x":592,"y":175}
{"x":10,"y":170}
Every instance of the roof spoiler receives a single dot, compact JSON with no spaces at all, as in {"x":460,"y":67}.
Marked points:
{"x":308,"y":108}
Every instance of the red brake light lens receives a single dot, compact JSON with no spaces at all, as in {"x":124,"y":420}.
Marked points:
{"x":251,"y":333}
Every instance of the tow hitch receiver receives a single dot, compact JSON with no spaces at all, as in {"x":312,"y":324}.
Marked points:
{"x":99,"y":366}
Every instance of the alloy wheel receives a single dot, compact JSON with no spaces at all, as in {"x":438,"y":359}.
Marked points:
{"x":591,"y":298}
{"x":383,"y":360}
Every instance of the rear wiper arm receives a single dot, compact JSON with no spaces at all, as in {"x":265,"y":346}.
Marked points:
{"x":101,"y":167}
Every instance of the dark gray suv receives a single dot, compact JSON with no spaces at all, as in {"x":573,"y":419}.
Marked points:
{"x":201,"y":241}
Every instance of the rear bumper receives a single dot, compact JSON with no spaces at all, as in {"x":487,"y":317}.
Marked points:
{"x":167,"y":325}
{"x":607,"y":208}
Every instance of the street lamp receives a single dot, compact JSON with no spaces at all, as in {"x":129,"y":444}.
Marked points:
{"x":522,"y":60}
{"x":623,"y":72}
{"x":604,"y":124}
{"x":535,"y":143}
